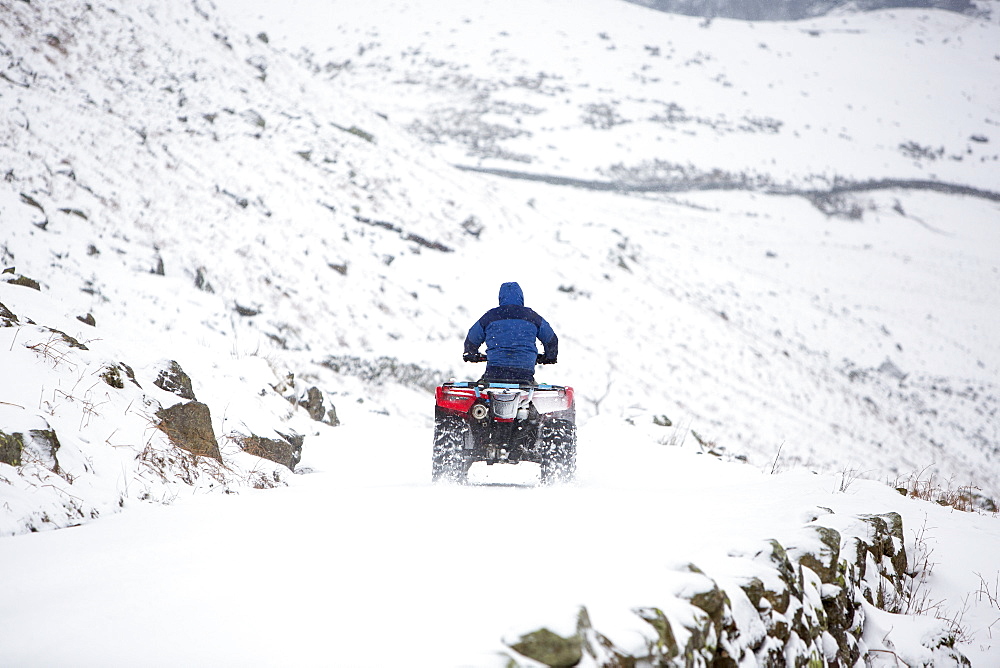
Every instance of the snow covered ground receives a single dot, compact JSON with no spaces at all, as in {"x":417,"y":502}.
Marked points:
{"x":255,"y":197}
{"x":365,"y":563}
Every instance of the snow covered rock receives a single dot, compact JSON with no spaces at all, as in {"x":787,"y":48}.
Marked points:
{"x":550,"y":648}
{"x":9,"y":276}
{"x":7,"y":317}
{"x":27,"y":438}
{"x":313,"y":403}
{"x":878,"y":561}
{"x":172,"y":379}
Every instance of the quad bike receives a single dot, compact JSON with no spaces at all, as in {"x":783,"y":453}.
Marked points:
{"x":504,"y":423}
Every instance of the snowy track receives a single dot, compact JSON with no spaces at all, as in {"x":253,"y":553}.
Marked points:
{"x":364,"y":562}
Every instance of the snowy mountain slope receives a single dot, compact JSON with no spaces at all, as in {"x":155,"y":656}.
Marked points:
{"x":142,"y":138}
{"x":532,"y":97}
{"x":138,"y":191}
{"x":615,"y":91}
{"x":208,"y":200}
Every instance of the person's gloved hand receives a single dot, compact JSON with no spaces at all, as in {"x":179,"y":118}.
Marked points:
{"x":474,"y":357}
{"x":542,"y":359}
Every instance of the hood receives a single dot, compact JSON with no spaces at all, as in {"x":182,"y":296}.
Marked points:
{"x":511,"y":295}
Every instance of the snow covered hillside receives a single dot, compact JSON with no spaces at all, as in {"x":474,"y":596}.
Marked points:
{"x":241,"y":240}
{"x":608,"y":90}
{"x":845,"y":324}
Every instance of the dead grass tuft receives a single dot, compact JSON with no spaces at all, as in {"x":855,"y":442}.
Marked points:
{"x":967,"y":498}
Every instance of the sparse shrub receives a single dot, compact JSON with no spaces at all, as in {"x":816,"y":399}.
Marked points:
{"x":967,"y":498}
{"x":914,"y":150}
{"x":385,"y":369}
{"x":56,"y":348}
{"x":469,"y":129}
{"x":601,"y":116}
{"x":837,"y":205}
{"x":848,"y":476}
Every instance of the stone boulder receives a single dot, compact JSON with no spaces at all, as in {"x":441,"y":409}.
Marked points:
{"x":9,"y":275}
{"x":587,"y":646}
{"x":314,"y":405}
{"x":11,"y":448}
{"x":189,"y":427}
{"x":27,"y":439}
{"x":286,"y":450}
{"x":821,"y":553}
{"x":44,"y":443}
{"x":112,"y":375}
{"x":550,"y":648}
{"x":7,"y":317}
{"x":172,"y":378}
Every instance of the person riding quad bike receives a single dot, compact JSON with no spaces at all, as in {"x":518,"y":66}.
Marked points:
{"x":509,"y":332}
{"x":506,"y":417}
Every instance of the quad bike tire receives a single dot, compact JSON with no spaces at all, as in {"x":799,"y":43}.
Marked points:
{"x":448,"y":463}
{"x":557,"y":443}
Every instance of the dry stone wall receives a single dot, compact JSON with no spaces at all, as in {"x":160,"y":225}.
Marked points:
{"x":809,"y":609}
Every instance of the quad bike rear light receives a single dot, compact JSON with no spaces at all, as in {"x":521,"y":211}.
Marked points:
{"x":553,"y":399}
{"x":455,"y":398}
{"x":568,"y":396}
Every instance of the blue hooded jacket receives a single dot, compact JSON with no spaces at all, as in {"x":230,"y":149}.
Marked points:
{"x":509,"y":331}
